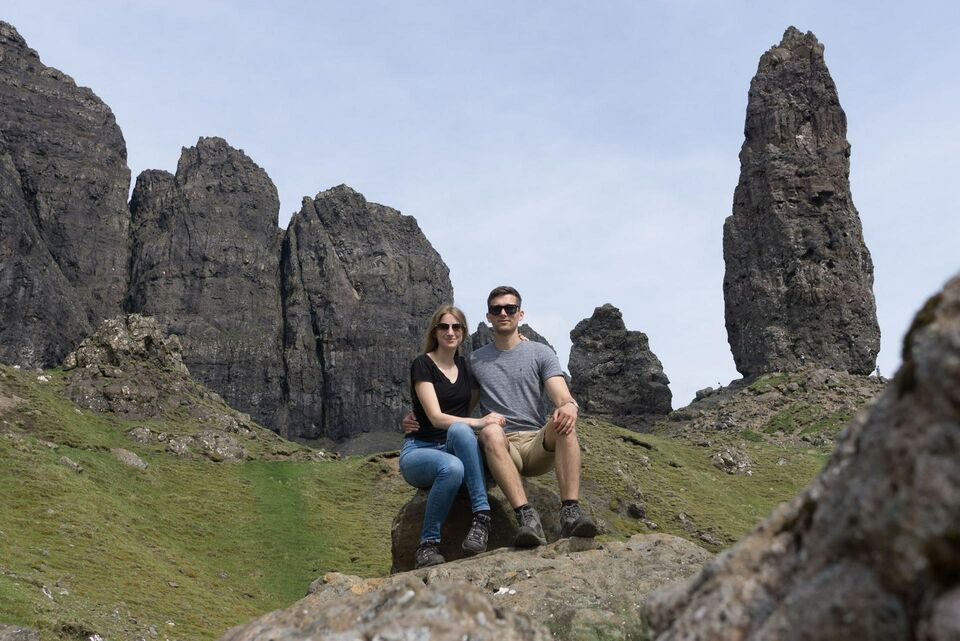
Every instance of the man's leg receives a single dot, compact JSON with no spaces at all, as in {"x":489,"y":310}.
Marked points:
{"x":566,"y":449}
{"x":496,"y":449}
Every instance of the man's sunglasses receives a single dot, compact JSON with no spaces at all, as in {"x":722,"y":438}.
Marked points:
{"x":509,"y":309}
{"x":457,"y":327}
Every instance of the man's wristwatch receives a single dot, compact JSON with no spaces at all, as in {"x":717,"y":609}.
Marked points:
{"x":575,"y":404}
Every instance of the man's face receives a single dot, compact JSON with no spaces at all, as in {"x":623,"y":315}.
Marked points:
{"x":503,"y":322}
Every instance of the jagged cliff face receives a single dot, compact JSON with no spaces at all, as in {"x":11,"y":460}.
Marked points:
{"x":360,"y":282}
{"x":614,"y":372}
{"x":798,"y":286}
{"x":63,"y":213}
{"x":206,"y":265}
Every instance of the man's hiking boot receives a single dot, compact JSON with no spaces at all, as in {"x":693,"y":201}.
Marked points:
{"x":429,"y":554}
{"x":573,"y":522}
{"x":530,"y":534}
{"x":476,"y":540}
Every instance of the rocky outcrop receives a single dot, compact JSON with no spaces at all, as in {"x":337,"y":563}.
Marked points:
{"x":405,"y":530}
{"x":614,"y":373}
{"x":407,"y":609}
{"x":578,"y":594}
{"x":484,"y":335}
{"x":129,"y":367}
{"x":63,"y":209}
{"x":359,"y":282}
{"x":16,"y":633}
{"x":206,"y":265}
{"x":798,"y":286}
{"x":869,"y":550}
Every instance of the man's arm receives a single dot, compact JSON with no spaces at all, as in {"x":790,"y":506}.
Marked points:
{"x":565,"y":416}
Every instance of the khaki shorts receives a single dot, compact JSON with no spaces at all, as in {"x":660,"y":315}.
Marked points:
{"x":528,"y":452}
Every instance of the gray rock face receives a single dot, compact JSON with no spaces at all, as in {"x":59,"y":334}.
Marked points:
{"x":582,"y":594}
{"x":63,"y":209}
{"x":405,"y":609}
{"x":799,"y":279}
{"x":614,"y":373}
{"x":206,"y":265}
{"x":484,"y":335}
{"x":360,"y":282}
{"x":869,"y":549}
{"x":406,"y":526}
{"x":129,"y":367}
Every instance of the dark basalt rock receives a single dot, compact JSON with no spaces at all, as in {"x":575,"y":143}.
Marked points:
{"x":484,"y":335}
{"x":63,"y":209}
{"x":206,"y":265}
{"x":798,"y":286}
{"x":614,"y":373}
{"x":870,"y":549}
{"x":360,"y":281}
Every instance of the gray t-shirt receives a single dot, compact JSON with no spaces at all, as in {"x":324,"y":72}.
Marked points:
{"x":511,"y":382}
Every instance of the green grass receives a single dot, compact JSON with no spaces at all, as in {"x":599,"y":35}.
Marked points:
{"x":676,"y":477}
{"x":205,"y":546}
{"x":199,"y":544}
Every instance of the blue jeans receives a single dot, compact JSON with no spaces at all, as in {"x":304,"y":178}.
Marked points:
{"x":443,"y":467}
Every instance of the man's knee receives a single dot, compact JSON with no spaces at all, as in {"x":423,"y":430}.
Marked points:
{"x":493,"y":437}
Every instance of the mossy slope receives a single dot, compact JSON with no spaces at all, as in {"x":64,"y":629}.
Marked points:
{"x":189,"y":547}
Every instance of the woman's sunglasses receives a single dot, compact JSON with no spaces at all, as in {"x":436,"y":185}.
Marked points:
{"x":443,"y":327}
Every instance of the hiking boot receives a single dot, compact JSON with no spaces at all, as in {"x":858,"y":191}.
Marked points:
{"x":573,"y":522}
{"x":476,"y":540}
{"x":429,"y":554}
{"x":530,"y":534}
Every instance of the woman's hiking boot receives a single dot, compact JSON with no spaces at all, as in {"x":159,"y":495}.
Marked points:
{"x":476,"y":540}
{"x":429,"y":554}
{"x":530,"y":534}
{"x":573,"y":522}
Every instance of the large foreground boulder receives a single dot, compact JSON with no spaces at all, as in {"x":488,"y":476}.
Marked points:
{"x":407,"y":609}
{"x":798,"y":287}
{"x":578,"y":595}
{"x":871,"y":550}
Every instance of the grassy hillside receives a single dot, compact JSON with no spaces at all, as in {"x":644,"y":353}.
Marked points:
{"x":188,"y":547}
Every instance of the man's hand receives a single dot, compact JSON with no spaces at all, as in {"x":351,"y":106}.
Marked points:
{"x":410,"y":424}
{"x":565,"y":418}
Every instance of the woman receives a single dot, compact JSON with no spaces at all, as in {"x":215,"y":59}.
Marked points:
{"x":443,"y":452}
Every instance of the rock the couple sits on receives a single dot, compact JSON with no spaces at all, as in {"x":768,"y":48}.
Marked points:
{"x":445,"y":448}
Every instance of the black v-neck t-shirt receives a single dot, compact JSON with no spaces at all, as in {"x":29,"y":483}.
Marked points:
{"x":454,"y":398}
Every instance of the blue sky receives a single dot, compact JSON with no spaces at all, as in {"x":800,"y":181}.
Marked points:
{"x":585,"y":152}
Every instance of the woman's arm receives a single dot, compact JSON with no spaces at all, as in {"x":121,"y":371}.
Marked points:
{"x":428,"y":398}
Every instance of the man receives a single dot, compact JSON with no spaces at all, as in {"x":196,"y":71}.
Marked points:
{"x":512,"y":375}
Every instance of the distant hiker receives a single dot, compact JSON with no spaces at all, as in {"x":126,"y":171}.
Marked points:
{"x":444,"y":453}
{"x":512,"y":376}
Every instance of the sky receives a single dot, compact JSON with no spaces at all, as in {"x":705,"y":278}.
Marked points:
{"x":583,"y":152}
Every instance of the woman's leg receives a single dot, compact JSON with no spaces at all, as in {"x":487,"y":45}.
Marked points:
{"x":425,"y":465}
{"x":462,"y":443}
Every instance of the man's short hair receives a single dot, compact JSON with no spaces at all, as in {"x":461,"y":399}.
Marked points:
{"x":503,"y":290}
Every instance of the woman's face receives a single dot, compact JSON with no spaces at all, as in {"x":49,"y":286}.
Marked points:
{"x":449,"y":331}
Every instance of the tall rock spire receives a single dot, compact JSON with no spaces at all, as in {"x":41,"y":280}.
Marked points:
{"x":798,"y":286}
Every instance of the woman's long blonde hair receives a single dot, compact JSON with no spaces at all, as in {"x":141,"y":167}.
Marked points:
{"x":430,"y":343}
